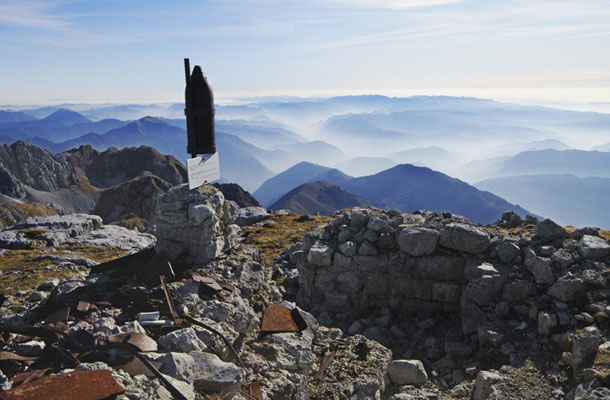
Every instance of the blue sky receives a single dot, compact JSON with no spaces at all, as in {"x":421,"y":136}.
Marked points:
{"x":132,"y":51}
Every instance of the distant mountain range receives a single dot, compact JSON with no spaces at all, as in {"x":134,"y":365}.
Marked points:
{"x":577,"y":162}
{"x":567,"y":199}
{"x":404,"y":187}
{"x":319,"y":197}
{"x":274,"y":188}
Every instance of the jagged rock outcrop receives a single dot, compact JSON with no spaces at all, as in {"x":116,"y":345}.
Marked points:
{"x":136,"y":197}
{"x":234,"y":192}
{"x":113,"y":166}
{"x":22,"y":164}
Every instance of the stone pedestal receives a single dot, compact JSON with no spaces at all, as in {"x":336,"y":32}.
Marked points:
{"x":194,"y":225}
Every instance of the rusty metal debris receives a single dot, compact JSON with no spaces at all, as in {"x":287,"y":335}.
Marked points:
{"x":214,"y":331}
{"x":278,"y":318}
{"x":75,"y":385}
{"x":7,"y":355}
{"x":137,"y":367}
{"x":83,"y":306}
{"x":170,"y":303}
{"x":30,"y":376}
{"x":328,"y":357}
{"x":60,"y":315}
{"x":55,"y":335}
{"x":253,"y":392}
{"x":139,"y":340}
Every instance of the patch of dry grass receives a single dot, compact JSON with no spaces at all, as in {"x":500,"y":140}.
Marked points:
{"x":21,"y":271}
{"x":285,"y":231}
{"x":10,"y":213}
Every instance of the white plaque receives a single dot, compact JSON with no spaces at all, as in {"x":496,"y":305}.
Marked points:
{"x":202,"y":170}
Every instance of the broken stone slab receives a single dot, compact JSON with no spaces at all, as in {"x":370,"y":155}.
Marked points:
{"x":418,"y":241}
{"x":466,"y":238}
{"x":178,"y":365}
{"x":568,"y":288}
{"x":184,"y":340}
{"x":584,"y":348}
{"x":116,"y":236}
{"x":407,"y":372}
{"x":250,"y":215}
{"x":212,"y":375}
{"x":593,"y":247}
{"x":54,"y":230}
{"x":484,"y":384}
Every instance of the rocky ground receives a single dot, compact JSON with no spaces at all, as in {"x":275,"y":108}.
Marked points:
{"x":231,"y":326}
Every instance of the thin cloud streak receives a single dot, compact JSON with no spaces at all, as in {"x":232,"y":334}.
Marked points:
{"x":29,"y":15}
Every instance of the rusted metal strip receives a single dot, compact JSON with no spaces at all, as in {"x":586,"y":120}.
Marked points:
{"x":7,"y":355}
{"x":214,"y":331}
{"x":328,"y":357}
{"x":137,"y":367}
{"x":139,"y":340}
{"x":254,"y":391}
{"x":278,"y":318}
{"x":170,"y":304}
{"x":30,"y":376}
{"x":75,"y":385}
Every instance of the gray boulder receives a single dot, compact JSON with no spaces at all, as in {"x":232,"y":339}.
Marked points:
{"x":212,"y":375}
{"x":320,"y":255}
{"x":484,"y":385}
{"x":507,"y":251}
{"x":568,"y":288}
{"x":541,"y":268}
{"x":250,"y":215}
{"x":418,"y":241}
{"x":549,"y":230}
{"x":407,"y":372}
{"x":593,"y":247}
{"x":465,"y":238}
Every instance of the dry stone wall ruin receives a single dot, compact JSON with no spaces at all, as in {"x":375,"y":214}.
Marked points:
{"x":365,"y":262}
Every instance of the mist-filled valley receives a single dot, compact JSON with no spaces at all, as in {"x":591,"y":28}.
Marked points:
{"x":547,"y":162}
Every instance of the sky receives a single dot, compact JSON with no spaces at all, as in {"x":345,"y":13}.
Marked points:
{"x":132,"y":51}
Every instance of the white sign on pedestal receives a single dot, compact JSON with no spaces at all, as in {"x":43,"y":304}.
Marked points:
{"x":202,"y":170}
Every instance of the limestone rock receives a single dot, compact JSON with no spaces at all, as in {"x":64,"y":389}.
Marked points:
{"x":418,"y":241}
{"x":250,"y":215}
{"x":549,"y":230}
{"x":184,"y":340}
{"x":584,"y":348}
{"x":407,"y":372}
{"x":593,"y":247}
{"x":465,"y":238}
{"x":484,"y":384}
{"x":320,"y":255}
{"x":541,"y":268}
{"x":568,"y":288}
{"x":212,"y":375}
{"x":508,"y":251}
{"x":190,"y":225}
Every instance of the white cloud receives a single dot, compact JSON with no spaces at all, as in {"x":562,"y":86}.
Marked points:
{"x":29,"y":14}
{"x":394,"y":4}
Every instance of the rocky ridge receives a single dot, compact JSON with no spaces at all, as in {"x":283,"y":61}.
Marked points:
{"x":538,"y":333}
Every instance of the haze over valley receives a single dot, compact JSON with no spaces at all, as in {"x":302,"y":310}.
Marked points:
{"x":529,"y":157}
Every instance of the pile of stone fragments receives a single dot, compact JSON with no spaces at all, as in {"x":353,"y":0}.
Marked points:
{"x":372,"y":305}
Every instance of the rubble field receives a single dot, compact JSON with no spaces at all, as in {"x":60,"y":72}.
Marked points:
{"x":218,"y":302}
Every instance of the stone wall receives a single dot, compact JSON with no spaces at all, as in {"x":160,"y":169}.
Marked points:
{"x":365,"y":262}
